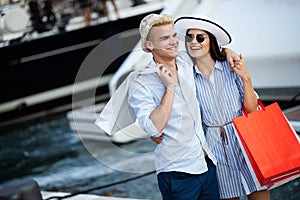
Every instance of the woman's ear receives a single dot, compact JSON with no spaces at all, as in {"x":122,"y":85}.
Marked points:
{"x":149,"y":45}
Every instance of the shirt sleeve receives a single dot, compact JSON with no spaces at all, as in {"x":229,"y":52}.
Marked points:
{"x":141,"y":99}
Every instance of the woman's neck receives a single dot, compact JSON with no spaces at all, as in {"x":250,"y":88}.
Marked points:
{"x":205,"y":66}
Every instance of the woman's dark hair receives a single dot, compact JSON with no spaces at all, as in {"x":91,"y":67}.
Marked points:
{"x":214,"y":50}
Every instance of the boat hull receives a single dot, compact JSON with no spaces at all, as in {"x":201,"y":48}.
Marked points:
{"x":38,"y":75}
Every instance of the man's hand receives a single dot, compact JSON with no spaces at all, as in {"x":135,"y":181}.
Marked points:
{"x":231,"y":56}
{"x":167,"y":76}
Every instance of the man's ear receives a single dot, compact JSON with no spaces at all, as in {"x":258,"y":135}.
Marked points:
{"x":149,"y":45}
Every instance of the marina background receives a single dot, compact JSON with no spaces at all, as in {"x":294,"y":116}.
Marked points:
{"x":47,"y":151}
{"x":45,"y":148}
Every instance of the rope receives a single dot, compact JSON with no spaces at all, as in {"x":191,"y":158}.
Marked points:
{"x":101,"y":187}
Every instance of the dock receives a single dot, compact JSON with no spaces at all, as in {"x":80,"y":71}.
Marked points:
{"x":47,"y":195}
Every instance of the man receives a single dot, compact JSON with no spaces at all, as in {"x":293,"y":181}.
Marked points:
{"x":165,"y":103}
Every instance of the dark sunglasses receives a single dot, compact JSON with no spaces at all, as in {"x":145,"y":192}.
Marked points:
{"x":199,"y":37}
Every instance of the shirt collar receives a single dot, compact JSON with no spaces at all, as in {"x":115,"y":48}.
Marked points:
{"x":181,"y":64}
{"x":217,"y":66}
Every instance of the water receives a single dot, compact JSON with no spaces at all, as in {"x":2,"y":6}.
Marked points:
{"x":47,"y":151}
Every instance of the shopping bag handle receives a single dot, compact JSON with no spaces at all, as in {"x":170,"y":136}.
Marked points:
{"x":261,"y":107}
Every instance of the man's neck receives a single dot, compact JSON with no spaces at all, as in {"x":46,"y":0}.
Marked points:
{"x":170,"y":63}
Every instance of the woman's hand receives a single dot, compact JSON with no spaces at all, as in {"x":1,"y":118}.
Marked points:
{"x":157,"y":140}
{"x":240,"y":69}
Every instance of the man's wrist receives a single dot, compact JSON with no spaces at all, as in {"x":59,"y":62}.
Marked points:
{"x":170,"y":89}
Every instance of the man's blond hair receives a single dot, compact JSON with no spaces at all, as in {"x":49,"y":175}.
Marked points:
{"x":163,"y":20}
{"x":150,"y":21}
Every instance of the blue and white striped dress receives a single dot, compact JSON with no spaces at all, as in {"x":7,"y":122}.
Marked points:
{"x":220,"y":100}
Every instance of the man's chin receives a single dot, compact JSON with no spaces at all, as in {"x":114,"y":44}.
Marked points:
{"x":173,"y":53}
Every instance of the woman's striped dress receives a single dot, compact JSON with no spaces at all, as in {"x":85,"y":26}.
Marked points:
{"x":220,"y":100}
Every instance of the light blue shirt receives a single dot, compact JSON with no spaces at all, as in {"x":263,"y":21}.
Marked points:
{"x":184,"y":145}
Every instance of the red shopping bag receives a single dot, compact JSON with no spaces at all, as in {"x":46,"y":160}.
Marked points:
{"x":270,"y":144}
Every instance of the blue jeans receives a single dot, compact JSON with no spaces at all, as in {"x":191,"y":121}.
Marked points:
{"x":183,"y":186}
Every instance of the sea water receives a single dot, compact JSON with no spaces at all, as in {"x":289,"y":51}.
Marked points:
{"x":47,"y":151}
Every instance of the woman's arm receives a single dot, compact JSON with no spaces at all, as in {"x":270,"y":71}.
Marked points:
{"x":250,"y":98}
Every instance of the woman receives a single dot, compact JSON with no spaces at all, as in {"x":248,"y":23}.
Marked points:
{"x":222,"y":91}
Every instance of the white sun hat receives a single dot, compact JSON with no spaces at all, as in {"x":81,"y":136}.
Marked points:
{"x":182,"y":24}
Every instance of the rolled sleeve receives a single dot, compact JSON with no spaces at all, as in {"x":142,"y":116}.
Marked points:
{"x":141,"y":100}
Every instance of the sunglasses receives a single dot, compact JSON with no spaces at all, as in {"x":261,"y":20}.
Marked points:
{"x":199,"y":37}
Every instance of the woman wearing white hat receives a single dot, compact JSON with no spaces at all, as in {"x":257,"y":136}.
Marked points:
{"x":221,"y":93}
